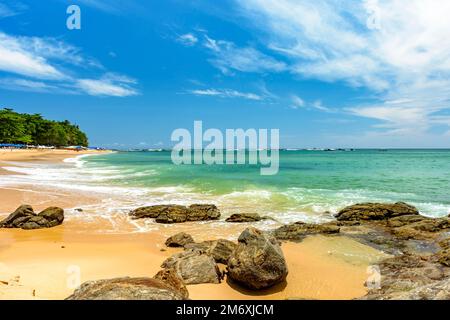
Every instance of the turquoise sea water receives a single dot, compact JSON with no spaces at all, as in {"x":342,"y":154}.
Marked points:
{"x":310,"y":184}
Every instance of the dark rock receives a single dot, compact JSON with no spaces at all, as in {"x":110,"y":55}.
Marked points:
{"x":127,"y":289}
{"x":172,"y":212}
{"x":443,"y":257}
{"x":25,"y":218}
{"x":177,"y":213}
{"x":257,"y":262}
{"x":172,"y":278}
{"x":19,"y":216}
{"x":445,"y":243}
{"x":375,"y":211}
{"x":299,"y":230}
{"x":179,"y":240}
{"x":194,"y":267}
{"x":417,"y":227}
{"x":220,"y":249}
{"x":244,"y":217}
{"x":201,"y":212}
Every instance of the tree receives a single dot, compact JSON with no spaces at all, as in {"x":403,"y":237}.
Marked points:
{"x":33,"y":128}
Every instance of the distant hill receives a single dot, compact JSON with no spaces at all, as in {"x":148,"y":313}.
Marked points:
{"x":22,"y":128}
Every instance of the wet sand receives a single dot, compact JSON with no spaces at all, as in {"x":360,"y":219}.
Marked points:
{"x":50,"y":263}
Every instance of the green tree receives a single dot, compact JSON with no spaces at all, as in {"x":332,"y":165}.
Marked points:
{"x":33,"y":128}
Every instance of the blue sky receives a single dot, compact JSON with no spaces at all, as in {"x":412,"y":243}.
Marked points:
{"x":326,"y":73}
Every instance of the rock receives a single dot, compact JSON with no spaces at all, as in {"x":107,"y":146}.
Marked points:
{"x":434,"y":291}
{"x":172,"y":278}
{"x":417,"y":227}
{"x":174,"y":212}
{"x":443,"y":257}
{"x":127,"y":289}
{"x":375,"y":211}
{"x":177,"y":213}
{"x":244,"y":217}
{"x":445,"y":243}
{"x":179,"y":240}
{"x":194,"y":267}
{"x":25,"y":218}
{"x":220,"y":249}
{"x":20,"y":215}
{"x":201,"y":212}
{"x":299,"y":230}
{"x":257,"y":262}
{"x":403,"y":274}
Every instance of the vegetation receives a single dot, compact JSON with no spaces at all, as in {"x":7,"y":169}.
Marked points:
{"x":22,"y":128}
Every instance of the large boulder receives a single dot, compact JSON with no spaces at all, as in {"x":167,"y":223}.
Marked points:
{"x":177,"y":213}
{"x":299,"y":230}
{"x":127,"y":289}
{"x":25,"y":218}
{"x":21,"y":214}
{"x":257,"y":262}
{"x":179,"y":240}
{"x":244,"y":217}
{"x":375,"y":211}
{"x":194,"y":267}
{"x":220,"y":250}
{"x":172,"y":278}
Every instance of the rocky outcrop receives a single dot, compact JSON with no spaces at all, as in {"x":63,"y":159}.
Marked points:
{"x":244,"y":217}
{"x":375,"y":211}
{"x":127,"y":289}
{"x":179,"y":240}
{"x":435,"y":291}
{"x":177,"y":213}
{"x":173,"y":279}
{"x":220,"y":249}
{"x":257,"y":262}
{"x":25,"y":218}
{"x":405,"y":276}
{"x":202,"y":212}
{"x":417,"y":227}
{"x":299,"y":230}
{"x":194,"y":267}
{"x":443,"y":257}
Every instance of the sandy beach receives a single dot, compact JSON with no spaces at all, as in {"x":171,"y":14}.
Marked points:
{"x":51,"y":263}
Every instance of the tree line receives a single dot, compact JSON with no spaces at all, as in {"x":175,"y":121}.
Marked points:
{"x":23,"y":128}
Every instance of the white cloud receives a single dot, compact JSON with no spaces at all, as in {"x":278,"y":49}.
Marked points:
{"x":188,"y":39}
{"x":229,"y":57}
{"x":16,"y":57}
{"x":399,"y":49}
{"x":106,"y":87}
{"x":297,"y":102}
{"x":54,"y":66}
{"x":25,"y":85}
{"x":226,"y":93}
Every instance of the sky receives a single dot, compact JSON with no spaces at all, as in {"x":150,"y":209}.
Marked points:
{"x":343,"y":73}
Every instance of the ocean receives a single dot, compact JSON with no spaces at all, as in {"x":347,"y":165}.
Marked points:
{"x":310,"y":186}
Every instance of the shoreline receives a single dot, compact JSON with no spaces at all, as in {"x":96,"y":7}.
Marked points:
{"x":319,"y":267}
